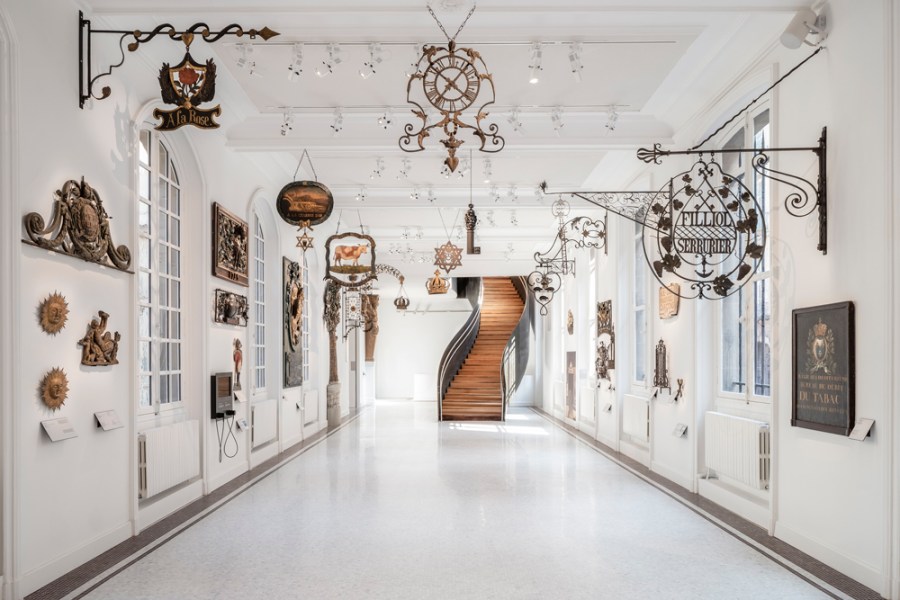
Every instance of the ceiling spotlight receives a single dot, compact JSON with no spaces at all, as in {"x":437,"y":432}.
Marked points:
{"x":445,"y":171}
{"x":368,"y":68}
{"x":513,"y":120}
{"x":287,"y":121}
{"x":489,"y":217}
{"x":384,"y":121}
{"x":535,"y":65}
{"x":362,"y":194}
{"x":495,"y":193}
{"x":513,"y":220}
{"x":513,"y":193}
{"x":612,"y":118}
{"x":379,"y":168}
{"x":405,"y":166}
{"x":804,"y":23}
{"x":539,"y":192}
{"x":510,"y":250}
{"x":413,"y":66}
{"x":431,"y":196}
{"x":338,"y":124}
{"x":404,"y":235}
{"x":488,"y":170}
{"x":575,"y":60}
{"x":414,"y":194}
{"x":332,"y":60}
{"x":420,"y":233}
{"x":245,"y":58}
{"x":296,"y":66}
{"x":464,"y":166}
{"x":556,"y":119}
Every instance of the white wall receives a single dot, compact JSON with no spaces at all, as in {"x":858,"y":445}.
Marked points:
{"x":55,"y":141}
{"x":411,"y":344}
{"x":830,"y":497}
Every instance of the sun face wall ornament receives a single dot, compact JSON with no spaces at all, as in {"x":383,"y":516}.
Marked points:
{"x":452,"y":80}
{"x":54,"y":388}
{"x":53,"y":312}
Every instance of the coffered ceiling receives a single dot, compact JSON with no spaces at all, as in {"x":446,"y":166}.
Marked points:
{"x":658,"y":64}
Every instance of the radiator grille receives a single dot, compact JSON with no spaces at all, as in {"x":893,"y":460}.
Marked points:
{"x":264,"y":420}
{"x":167,"y":456}
{"x":636,"y":417}
{"x":738,"y":449}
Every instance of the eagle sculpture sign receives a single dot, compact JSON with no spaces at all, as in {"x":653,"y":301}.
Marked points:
{"x":186,"y":85}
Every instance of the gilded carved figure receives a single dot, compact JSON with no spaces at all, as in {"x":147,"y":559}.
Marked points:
{"x":99,"y":346}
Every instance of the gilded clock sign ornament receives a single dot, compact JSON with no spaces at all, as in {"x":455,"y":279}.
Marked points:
{"x":452,"y":80}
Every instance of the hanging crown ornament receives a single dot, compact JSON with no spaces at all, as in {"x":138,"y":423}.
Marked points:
{"x":452,"y":79}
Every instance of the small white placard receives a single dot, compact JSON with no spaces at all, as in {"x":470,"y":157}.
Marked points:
{"x":861,"y":429}
{"x":59,"y":429}
{"x":608,"y":407}
{"x":108,"y":419}
{"x":236,"y":397}
{"x":680,"y":430}
{"x":242,"y":424}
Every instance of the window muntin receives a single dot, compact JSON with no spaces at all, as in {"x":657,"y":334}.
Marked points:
{"x":745,"y":317}
{"x":159,"y":275}
{"x":258,"y":377}
{"x":639,"y":307}
{"x":304,"y":319}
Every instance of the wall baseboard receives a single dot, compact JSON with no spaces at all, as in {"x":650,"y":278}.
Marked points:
{"x":227,"y":476}
{"x":868,"y":575}
{"x":682,"y":479}
{"x":44,"y":574}
{"x":743,"y":505}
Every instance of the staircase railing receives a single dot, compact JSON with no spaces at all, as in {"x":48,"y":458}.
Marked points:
{"x":515,"y":354}
{"x":461,"y":344}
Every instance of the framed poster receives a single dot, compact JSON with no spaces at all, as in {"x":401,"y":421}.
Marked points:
{"x":230,"y":241}
{"x":570,"y":385}
{"x":824,"y":368}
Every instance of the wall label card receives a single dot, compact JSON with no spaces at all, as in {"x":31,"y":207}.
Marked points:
{"x":59,"y":429}
{"x":862,"y":429}
{"x":108,"y":419}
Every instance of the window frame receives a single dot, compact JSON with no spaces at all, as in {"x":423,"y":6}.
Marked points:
{"x":259,"y":319}
{"x":640,"y":276}
{"x":154,"y":305}
{"x":748,"y":396}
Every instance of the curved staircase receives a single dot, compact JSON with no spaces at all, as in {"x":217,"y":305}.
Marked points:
{"x":475,"y":391}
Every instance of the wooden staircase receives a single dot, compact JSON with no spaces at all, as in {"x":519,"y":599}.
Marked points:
{"x":475,"y":394}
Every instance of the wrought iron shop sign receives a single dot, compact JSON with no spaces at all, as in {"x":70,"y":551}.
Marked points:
{"x":186,"y":85}
{"x":707,"y":230}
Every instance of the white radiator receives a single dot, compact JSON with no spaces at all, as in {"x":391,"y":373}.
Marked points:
{"x":264,"y":422}
{"x":167,"y":456}
{"x":636,"y":417}
{"x":310,"y":407}
{"x":739,"y":449}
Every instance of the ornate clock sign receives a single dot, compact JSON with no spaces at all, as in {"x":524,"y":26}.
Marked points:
{"x":452,"y":79}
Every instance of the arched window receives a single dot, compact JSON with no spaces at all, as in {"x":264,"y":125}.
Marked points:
{"x":640,"y":296}
{"x":259,"y":307}
{"x":159,"y":277}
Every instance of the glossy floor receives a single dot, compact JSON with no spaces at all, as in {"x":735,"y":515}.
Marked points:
{"x":396,"y":505}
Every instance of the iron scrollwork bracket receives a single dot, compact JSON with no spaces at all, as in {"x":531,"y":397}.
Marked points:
{"x":798,"y":202}
{"x":86,"y":77}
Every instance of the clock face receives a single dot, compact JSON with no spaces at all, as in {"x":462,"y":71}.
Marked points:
{"x":451,"y":83}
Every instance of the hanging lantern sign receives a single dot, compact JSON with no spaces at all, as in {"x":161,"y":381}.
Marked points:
{"x":350,"y":259}
{"x":186,"y":85}
{"x":705,"y":229}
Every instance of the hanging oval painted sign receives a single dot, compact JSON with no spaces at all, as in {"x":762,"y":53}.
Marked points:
{"x":304,"y":203}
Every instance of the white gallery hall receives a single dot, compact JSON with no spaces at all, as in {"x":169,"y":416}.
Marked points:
{"x":449,"y":299}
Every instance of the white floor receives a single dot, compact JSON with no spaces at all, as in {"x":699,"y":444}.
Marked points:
{"x":396,"y":505}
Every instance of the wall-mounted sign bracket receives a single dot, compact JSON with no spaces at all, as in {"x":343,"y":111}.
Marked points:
{"x":798,"y":202}
{"x":86,"y":77}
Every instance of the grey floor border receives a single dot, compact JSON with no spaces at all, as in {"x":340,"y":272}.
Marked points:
{"x":818,"y":574}
{"x":82,"y":580}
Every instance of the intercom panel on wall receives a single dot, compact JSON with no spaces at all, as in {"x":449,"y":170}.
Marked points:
{"x":222,"y":395}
